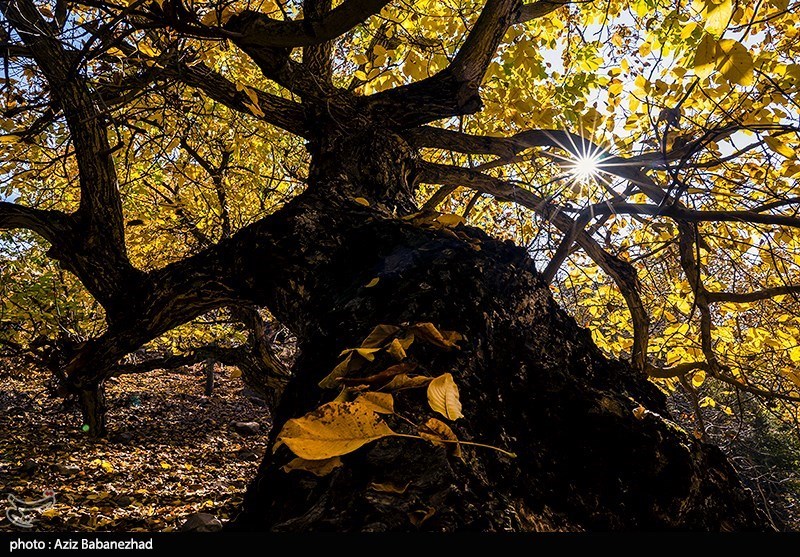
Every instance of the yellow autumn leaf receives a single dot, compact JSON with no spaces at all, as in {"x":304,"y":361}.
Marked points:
{"x":252,"y":95}
{"x":165,"y":465}
{"x":395,"y":350}
{"x":146,"y":49}
{"x":255,"y":110}
{"x":615,"y":87}
{"x":705,"y":56}
{"x":236,"y":373}
{"x":372,"y":283}
{"x":362,"y":201}
{"x":350,"y":363}
{"x":317,"y":467}
{"x":443,"y":397}
{"x":345,"y":395}
{"x":429,"y":333}
{"x":450,"y":220}
{"x":104,"y":464}
{"x":333,"y":429}
{"x":378,"y":335}
{"x":404,"y":381}
{"x":778,"y":146}
{"x":735,"y":62}
{"x":708,"y":401}
{"x":698,"y":378}
{"x":331,"y":381}
{"x":366,"y":353}
{"x":717,"y":16}
{"x":407,"y":340}
{"x":439,"y":433}
{"x":382,"y":403}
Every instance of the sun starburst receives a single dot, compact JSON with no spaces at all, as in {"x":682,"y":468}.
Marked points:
{"x":585,"y":167}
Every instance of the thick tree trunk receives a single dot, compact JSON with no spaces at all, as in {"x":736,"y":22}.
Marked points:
{"x":93,"y":409}
{"x":209,"y":376}
{"x":531,"y":382}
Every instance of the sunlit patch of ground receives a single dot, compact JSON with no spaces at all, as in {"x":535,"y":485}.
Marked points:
{"x":171,"y":452}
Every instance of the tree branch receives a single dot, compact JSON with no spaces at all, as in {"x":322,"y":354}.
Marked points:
{"x":259,"y":30}
{"x":100,"y":204}
{"x":50,"y":225}
{"x":755,"y":296}
{"x":538,"y":9}
{"x":278,"y":111}
{"x":95,"y":247}
{"x":680,"y":213}
{"x":317,"y":58}
{"x":476,"y":53}
{"x":678,"y":370}
{"x":453,"y":91}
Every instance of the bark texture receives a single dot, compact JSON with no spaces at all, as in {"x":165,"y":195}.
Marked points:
{"x":532,"y":382}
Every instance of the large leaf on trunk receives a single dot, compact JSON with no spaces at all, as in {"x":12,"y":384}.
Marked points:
{"x":403,"y":381}
{"x":382,"y":403}
{"x":379,"y":335}
{"x":439,"y":433}
{"x":443,"y":397}
{"x":333,"y":429}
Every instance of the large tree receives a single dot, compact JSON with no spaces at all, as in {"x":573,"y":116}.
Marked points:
{"x":131,"y":124}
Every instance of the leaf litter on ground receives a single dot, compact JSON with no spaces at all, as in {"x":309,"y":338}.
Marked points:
{"x":171,"y":451}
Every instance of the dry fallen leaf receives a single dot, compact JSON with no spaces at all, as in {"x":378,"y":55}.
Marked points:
{"x":443,"y":397}
{"x":436,"y":431}
{"x":333,"y":429}
{"x":404,"y":381}
{"x":382,"y":377}
{"x":378,"y":336}
{"x":331,"y":381}
{"x":395,"y":350}
{"x":450,"y":220}
{"x":382,"y":403}
{"x":429,"y":333}
{"x":317,"y":467}
{"x":389,"y":488}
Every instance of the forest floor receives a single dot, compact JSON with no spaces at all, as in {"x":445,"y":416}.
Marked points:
{"x":171,"y":452}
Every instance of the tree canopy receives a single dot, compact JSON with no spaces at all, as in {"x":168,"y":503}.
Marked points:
{"x":643,"y":151}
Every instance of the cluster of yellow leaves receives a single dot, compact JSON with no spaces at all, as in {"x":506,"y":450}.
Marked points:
{"x":354,"y":418}
{"x":727,"y":56}
{"x":394,"y":342}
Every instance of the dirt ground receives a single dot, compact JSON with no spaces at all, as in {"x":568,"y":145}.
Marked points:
{"x":171,"y":452}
